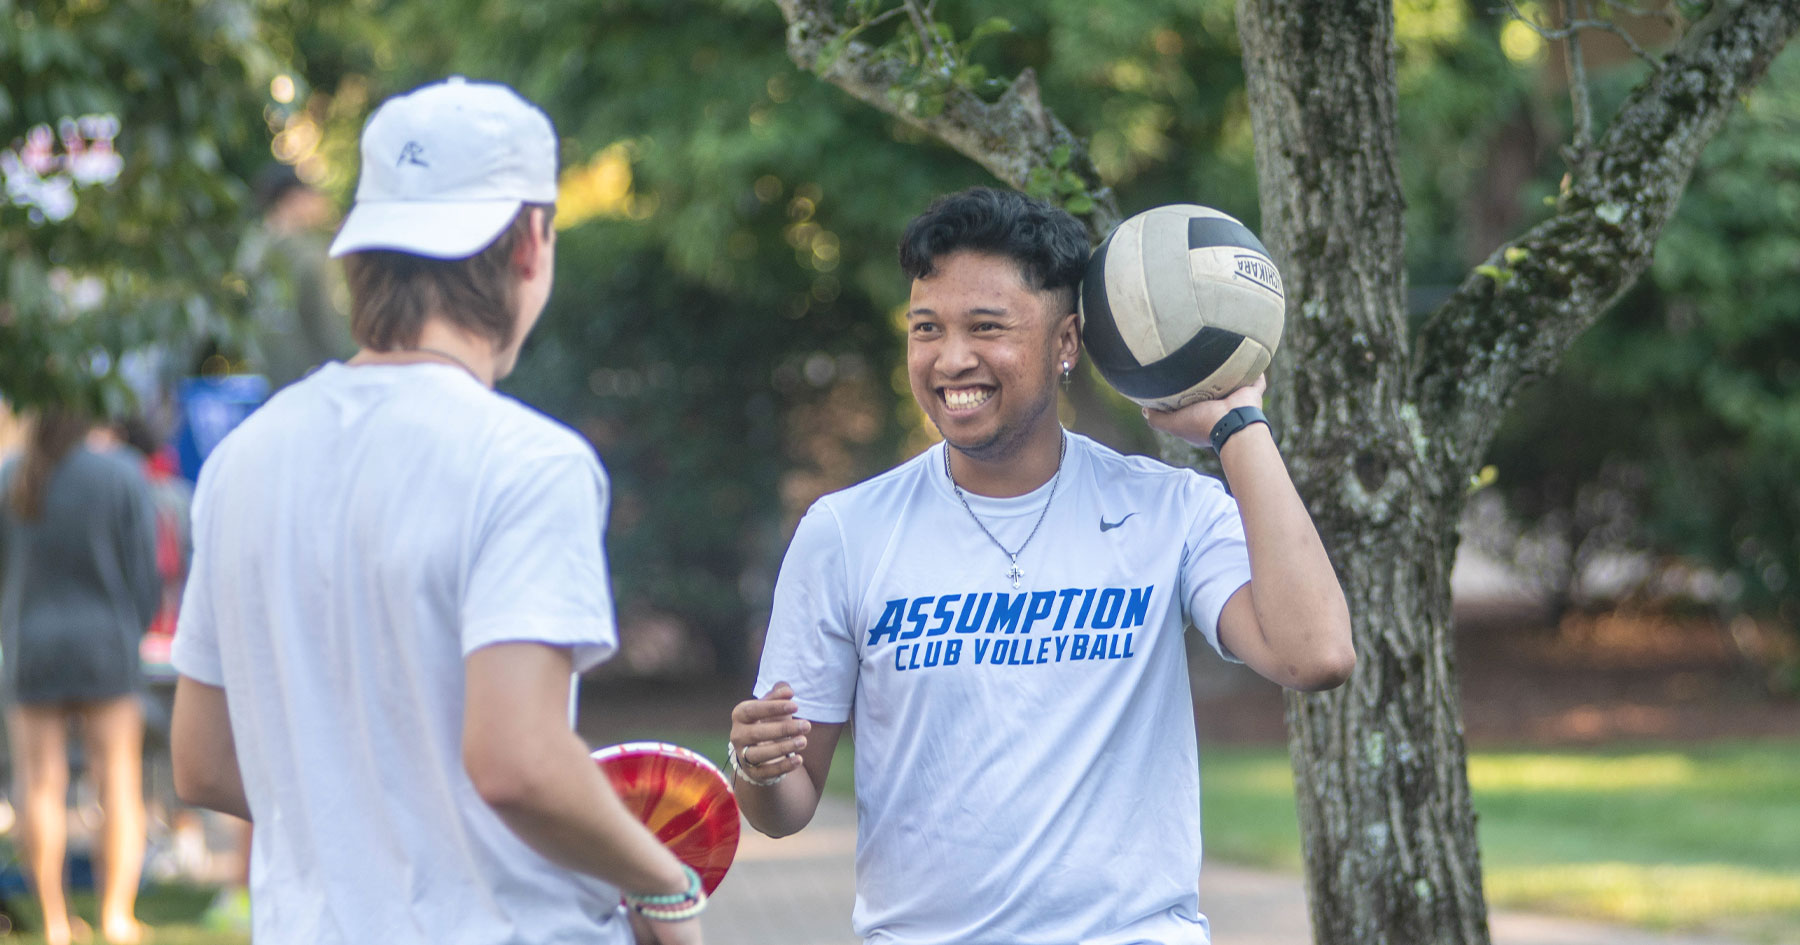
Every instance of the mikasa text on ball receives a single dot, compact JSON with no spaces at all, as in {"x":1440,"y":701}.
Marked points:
{"x":1181,"y":303}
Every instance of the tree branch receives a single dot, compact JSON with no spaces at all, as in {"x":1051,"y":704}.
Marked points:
{"x":1010,"y":137}
{"x":1581,"y":108}
{"x":1513,"y":317}
{"x":1573,"y":25}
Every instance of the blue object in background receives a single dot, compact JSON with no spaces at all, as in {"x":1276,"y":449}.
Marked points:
{"x":207,"y":408}
{"x":78,"y":874}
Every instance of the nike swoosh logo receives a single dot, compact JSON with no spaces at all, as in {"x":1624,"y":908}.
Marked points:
{"x":1107,"y":526}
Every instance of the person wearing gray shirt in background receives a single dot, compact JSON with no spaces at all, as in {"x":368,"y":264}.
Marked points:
{"x":297,"y":300}
{"x":78,"y":587}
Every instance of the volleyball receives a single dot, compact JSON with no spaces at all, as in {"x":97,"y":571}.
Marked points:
{"x":1181,"y":303}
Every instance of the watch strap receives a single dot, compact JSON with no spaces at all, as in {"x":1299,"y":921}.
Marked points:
{"x":1234,"y":420}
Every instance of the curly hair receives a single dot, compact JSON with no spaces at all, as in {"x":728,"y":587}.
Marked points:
{"x":1050,"y":247}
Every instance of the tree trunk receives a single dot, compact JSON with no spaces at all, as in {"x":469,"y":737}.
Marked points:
{"x":1379,"y":763}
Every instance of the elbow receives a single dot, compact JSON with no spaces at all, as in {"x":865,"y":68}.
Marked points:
{"x":504,"y":783}
{"x":201,"y":786}
{"x":189,"y":789}
{"x":774,"y":829}
{"x":1327,"y":673}
{"x":777,"y":827}
{"x":1328,"y":669}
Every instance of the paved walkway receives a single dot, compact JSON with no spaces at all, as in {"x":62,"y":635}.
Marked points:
{"x":798,"y":891}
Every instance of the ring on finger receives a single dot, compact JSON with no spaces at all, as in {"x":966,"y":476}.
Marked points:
{"x":740,"y":762}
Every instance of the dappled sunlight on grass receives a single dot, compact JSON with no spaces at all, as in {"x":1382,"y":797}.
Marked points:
{"x":1695,"y":837}
{"x":1662,"y":895}
{"x":1563,"y":772}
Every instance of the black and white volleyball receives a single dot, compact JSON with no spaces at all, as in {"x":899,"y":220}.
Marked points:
{"x":1180,"y":304}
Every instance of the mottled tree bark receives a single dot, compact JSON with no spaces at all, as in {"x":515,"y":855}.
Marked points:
{"x":1381,"y":429}
{"x":1382,"y":434}
{"x":1381,"y":784}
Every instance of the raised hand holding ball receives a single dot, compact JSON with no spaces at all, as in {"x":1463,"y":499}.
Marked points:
{"x":1180,"y":304}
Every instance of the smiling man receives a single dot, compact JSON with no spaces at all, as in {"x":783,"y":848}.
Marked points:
{"x":1002,"y":616}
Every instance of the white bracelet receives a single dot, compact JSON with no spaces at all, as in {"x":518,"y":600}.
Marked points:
{"x":737,"y":769}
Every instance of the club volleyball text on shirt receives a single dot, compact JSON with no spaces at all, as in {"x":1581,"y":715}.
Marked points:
{"x":1090,"y":624}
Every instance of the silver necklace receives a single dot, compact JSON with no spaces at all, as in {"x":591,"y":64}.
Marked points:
{"x":1012,"y":557}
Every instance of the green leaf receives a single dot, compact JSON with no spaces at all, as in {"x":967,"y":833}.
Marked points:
{"x":1500,"y":276}
{"x":1079,"y":204}
{"x":1515,"y":255}
{"x":1059,"y":157}
{"x":1041,"y":183}
{"x":992,"y":26}
{"x":829,"y":55}
{"x":971,"y":76}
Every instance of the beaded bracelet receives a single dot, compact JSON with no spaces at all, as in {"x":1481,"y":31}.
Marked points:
{"x":671,"y":907}
{"x":672,"y":913}
{"x":737,"y":769}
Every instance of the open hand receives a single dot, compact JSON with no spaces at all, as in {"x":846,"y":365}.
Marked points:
{"x":1194,"y":422}
{"x":765,"y":734}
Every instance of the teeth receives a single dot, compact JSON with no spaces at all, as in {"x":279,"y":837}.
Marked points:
{"x":967,"y":397}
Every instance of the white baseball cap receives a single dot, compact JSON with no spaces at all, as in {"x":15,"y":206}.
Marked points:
{"x":446,"y":167}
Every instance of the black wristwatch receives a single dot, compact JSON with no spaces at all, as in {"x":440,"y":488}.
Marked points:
{"x":1233,"y":421}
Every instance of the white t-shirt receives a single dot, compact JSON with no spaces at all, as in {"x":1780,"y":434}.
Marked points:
{"x":1026,"y":766}
{"x":354,"y":539}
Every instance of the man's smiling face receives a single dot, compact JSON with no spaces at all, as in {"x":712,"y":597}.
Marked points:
{"x":983,"y":352}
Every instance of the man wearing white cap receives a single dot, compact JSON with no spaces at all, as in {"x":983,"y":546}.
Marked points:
{"x":397,"y":572}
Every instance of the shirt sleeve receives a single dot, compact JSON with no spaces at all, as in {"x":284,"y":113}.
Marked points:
{"x":1215,"y":560}
{"x":195,"y":652}
{"x":538,"y":573}
{"x":810,"y":644}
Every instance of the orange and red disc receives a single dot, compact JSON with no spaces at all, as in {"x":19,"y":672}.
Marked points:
{"x":683,"y":799}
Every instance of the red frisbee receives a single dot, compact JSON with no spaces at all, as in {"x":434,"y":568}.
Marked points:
{"x":682,"y":798}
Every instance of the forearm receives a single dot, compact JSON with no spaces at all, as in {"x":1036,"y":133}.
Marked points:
{"x":1299,"y":605}
{"x":202,"y":752}
{"x":560,"y":804}
{"x":536,"y":774}
{"x":783,"y":808}
{"x":780,"y":809}
{"x":221,"y":790}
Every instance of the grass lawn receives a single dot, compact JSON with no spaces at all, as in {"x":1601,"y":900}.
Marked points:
{"x":1697,"y":837}
{"x":172,"y":911}
{"x":1691,"y":837}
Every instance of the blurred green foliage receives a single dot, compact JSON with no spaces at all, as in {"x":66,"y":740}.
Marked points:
{"x":722,"y":325}
{"x":146,"y":258}
{"x":1673,"y":425}
{"x":723,"y":321}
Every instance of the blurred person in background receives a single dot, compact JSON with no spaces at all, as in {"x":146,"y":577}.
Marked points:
{"x":296,"y":295}
{"x":78,"y":587}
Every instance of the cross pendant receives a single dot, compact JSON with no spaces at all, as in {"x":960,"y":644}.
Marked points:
{"x":1015,"y":573}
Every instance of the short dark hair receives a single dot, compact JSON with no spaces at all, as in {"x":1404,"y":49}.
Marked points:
{"x":1050,"y":246}
{"x":392,"y":293}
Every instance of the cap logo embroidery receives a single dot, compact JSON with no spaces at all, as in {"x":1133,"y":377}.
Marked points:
{"x":413,"y":153}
